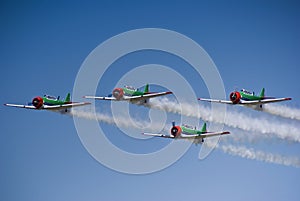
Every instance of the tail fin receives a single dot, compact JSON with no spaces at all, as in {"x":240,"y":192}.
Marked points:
{"x":204,"y":128}
{"x":68,"y":98}
{"x":173,"y":123}
{"x":146,"y":90}
{"x":262,"y":93}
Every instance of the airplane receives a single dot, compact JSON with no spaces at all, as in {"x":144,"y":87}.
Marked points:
{"x":130,"y":94}
{"x":189,"y":133}
{"x":50,"y":103}
{"x":248,"y":99}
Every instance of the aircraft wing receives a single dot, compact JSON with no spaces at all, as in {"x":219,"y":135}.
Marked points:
{"x":128,"y":98}
{"x":20,"y":106}
{"x":215,"y":101}
{"x":211,"y":134}
{"x":158,"y":135}
{"x":149,"y":95}
{"x":49,"y":107}
{"x":203,"y":135}
{"x":68,"y":105}
{"x":243,"y":102}
{"x":264,"y":101}
{"x":101,"y":98}
{"x":189,"y":136}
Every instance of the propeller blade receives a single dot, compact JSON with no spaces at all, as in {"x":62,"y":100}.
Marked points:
{"x":173,"y":123}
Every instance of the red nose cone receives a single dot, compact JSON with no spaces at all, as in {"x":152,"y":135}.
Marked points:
{"x":37,"y":102}
{"x":235,"y":97}
{"x":176,"y":131}
{"x":118,"y":93}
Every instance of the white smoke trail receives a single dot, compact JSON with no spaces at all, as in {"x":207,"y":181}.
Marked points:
{"x":260,"y":155}
{"x":263,"y":125}
{"x":122,"y":122}
{"x":229,"y":149}
{"x":233,"y":119}
{"x":283,"y":111}
{"x":91,"y":116}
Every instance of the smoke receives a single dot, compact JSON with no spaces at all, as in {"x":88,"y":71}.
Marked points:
{"x":245,"y":152}
{"x":233,"y":119}
{"x":116,"y":121}
{"x":240,"y":151}
{"x":283,"y":111}
{"x":91,"y":116}
{"x":250,"y":153}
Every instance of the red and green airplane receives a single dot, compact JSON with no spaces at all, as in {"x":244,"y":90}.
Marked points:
{"x":248,"y":99}
{"x":131,"y":94}
{"x":50,"y":103}
{"x":189,"y":133}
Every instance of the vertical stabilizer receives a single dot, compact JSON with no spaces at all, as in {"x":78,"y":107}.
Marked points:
{"x":262,"y":93}
{"x":204,"y":128}
{"x":68,"y":98}
{"x":146,"y":90}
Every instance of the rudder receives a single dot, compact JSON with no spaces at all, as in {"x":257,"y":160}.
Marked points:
{"x":262,"y":93}
{"x":146,"y":90}
{"x":204,"y":128}
{"x":68,"y":98}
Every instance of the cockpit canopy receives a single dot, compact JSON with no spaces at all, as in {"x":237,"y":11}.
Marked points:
{"x":189,"y":126}
{"x":50,"y":97}
{"x":247,"y":92}
{"x":130,"y":88}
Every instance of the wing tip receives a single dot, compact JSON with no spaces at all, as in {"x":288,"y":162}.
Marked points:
{"x":204,"y":99}
{"x":89,"y":97}
{"x":8,"y":104}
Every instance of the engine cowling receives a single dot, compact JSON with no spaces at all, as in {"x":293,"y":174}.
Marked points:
{"x":176,"y":131}
{"x":38,"y":102}
{"x":118,"y":93}
{"x":235,"y":97}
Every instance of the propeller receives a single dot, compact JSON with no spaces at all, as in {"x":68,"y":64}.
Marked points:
{"x":175,"y":130}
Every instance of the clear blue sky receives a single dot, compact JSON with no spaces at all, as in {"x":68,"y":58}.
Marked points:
{"x":254,"y":44}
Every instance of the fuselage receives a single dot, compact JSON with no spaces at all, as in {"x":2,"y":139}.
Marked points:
{"x":237,"y":96}
{"x":50,"y":100}
{"x":248,"y":96}
{"x":176,"y":132}
{"x":190,"y":130}
{"x":130,"y":91}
